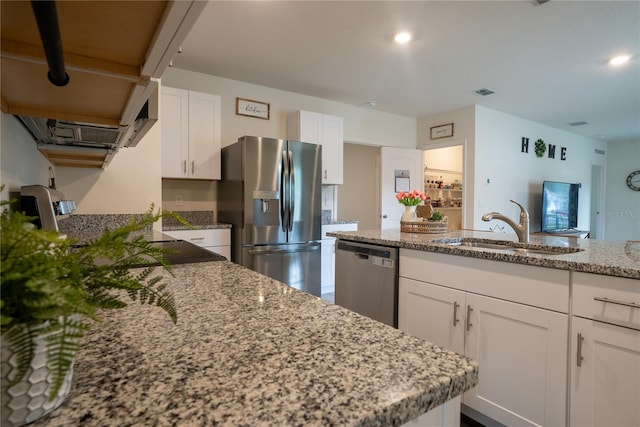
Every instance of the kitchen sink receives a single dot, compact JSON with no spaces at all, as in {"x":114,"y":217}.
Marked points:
{"x":512,"y":247}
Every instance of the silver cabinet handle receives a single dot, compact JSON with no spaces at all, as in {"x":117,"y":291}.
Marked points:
{"x":455,"y":313}
{"x":325,"y":174}
{"x":184,"y":166}
{"x":613,"y":301}
{"x":196,"y":238}
{"x":193,"y":166}
{"x":469,"y":324}
{"x":579,"y":357}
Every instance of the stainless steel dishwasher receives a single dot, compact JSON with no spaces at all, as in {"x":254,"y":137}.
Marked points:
{"x":367,"y":280}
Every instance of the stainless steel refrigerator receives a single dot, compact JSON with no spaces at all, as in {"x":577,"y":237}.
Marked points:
{"x":271,"y":194}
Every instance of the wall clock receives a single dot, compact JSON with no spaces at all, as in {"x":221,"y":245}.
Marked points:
{"x":633,"y":180}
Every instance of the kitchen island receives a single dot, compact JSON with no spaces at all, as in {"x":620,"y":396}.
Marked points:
{"x":621,"y":259}
{"x":249,"y":350}
{"x":566,"y":309}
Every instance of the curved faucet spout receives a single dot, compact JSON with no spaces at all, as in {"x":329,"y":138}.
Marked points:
{"x":521,"y":229}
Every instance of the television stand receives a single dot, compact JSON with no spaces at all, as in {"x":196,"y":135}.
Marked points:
{"x":578,"y":234}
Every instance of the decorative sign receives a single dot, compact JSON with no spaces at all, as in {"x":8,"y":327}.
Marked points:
{"x":403,"y":181}
{"x":442,"y":131}
{"x":541,"y":148}
{"x":251,"y":108}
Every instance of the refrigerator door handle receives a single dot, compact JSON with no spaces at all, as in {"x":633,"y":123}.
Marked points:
{"x":292,"y":190}
{"x":271,"y":250}
{"x":284,"y":178}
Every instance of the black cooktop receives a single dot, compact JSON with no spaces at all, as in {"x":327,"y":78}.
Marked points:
{"x":183,"y":252}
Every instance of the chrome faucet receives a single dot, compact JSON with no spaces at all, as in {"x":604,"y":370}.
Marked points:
{"x":521,"y":229}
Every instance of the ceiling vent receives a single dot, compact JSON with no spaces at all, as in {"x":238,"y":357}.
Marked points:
{"x":539,"y":2}
{"x":582,"y":123}
{"x":484,"y":91}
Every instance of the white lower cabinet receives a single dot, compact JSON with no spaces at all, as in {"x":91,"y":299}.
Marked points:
{"x":216,"y":240}
{"x":521,"y":351}
{"x":605,"y":351}
{"x":432,"y":312}
{"x":605,"y":375}
{"x":521,"y":348}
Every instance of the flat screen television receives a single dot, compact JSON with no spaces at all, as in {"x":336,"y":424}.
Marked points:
{"x":559,"y":206}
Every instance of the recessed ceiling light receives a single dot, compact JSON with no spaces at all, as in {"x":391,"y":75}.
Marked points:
{"x":619,"y":60}
{"x":403,"y":37}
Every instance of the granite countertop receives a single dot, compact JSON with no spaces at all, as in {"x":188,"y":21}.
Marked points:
{"x":212,"y":226}
{"x":338,"y":221}
{"x":249,"y":350}
{"x":620,"y":259}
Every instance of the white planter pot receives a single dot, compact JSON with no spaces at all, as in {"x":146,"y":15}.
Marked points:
{"x":28,"y":400}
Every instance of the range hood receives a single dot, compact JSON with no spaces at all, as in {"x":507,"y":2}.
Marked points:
{"x":78,"y":144}
{"x":114,"y":53}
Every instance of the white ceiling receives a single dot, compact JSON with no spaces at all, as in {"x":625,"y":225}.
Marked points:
{"x":546,"y":63}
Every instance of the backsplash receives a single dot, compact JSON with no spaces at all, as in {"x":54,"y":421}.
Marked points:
{"x":196,"y":218}
{"x":93,"y":224}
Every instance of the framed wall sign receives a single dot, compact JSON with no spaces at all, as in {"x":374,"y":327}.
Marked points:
{"x":251,"y":108}
{"x":442,"y":131}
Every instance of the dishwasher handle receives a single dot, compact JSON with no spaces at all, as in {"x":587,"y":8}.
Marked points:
{"x":361,"y":256}
{"x":367,"y":250}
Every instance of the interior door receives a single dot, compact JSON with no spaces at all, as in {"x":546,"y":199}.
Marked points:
{"x":393,"y":160}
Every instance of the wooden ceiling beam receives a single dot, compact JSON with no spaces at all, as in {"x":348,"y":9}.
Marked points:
{"x":12,"y":49}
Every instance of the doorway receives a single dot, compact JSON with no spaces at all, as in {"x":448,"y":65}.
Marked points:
{"x":444,"y":179}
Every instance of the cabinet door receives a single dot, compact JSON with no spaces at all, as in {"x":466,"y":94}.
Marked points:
{"x":310,"y":127}
{"x":174,"y":132}
{"x":522,"y":353}
{"x":332,"y":149}
{"x":605,"y":388}
{"x":433,"y":313}
{"x":204,"y":136}
{"x":328,"y":261}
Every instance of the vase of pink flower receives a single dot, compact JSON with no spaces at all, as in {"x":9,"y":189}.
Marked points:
{"x":410,"y":200}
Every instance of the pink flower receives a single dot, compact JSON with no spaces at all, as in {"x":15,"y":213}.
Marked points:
{"x":412,"y":198}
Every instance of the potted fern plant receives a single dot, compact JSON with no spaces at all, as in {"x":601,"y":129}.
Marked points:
{"x":50,"y":288}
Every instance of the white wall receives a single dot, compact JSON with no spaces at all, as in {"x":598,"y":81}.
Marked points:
{"x":503,"y":172}
{"x":447,"y":158}
{"x":361,"y":124}
{"x":129,"y":184}
{"x":20,"y":161}
{"x":622,"y":205}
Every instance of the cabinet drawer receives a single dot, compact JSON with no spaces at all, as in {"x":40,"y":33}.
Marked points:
{"x":608,"y":299}
{"x":208,"y":237}
{"x":536,"y":286}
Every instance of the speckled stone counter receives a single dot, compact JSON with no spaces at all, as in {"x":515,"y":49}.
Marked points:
{"x":338,"y":221}
{"x":620,"y":259}
{"x":249,"y":351}
{"x":212,"y":226}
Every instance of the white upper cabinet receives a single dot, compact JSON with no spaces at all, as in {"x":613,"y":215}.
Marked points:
{"x":191,"y":139}
{"x":325,"y":130}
